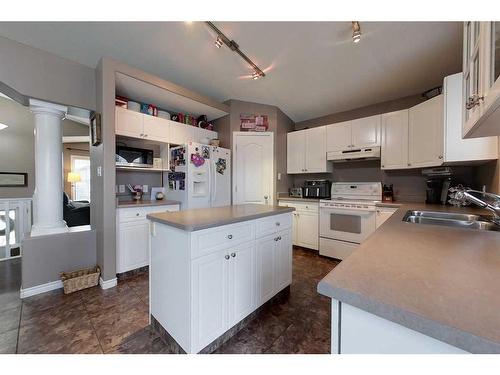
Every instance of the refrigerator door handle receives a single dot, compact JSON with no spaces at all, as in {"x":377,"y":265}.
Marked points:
{"x":214,"y":177}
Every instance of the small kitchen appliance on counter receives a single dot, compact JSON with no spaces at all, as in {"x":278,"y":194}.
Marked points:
{"x":296,"y":192}
{"x":316,"y":189}
{"x":348,"y":218}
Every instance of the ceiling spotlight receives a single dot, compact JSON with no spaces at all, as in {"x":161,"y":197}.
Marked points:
{"x":219,"y":42}
{"x":356,"y":32}
{"x":3,"y":126}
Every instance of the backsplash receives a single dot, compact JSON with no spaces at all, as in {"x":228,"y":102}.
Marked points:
{"x":409,"y":184}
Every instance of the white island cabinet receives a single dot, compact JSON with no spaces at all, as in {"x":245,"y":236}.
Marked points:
{"x":210,"y":269}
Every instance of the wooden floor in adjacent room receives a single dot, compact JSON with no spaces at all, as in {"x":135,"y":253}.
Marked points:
{"x":116,"y":320}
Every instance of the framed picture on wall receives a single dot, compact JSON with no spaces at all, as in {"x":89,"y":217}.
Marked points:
{"x":10,"y":179}
{"x":95,"y":129}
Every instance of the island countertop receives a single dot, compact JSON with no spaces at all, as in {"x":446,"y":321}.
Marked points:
{"x":146,"y":203}
{"x":203,"y":218}
{"x":440,"y":281}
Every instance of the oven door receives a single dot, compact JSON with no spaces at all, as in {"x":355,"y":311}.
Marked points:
{"x":352,"y":225}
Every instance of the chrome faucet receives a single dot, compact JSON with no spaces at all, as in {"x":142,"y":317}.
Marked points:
{"x":467,"y":195}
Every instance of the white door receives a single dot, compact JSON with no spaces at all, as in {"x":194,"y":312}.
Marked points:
{"x":425,"y":133}
{"x":133,"y":246}
{"x":395,"y":140}
{"x":296,"y":152}
{"x":128,"y":122}
{"x":156,"y":128}
{"x":253,"y":168}
{"x":338,"y":136}
{"x":210,"y":297}
{"x":283,"y":260}
{"x":307,"y":229}
{"x":220,"y":179}
{"x":366,"y":132}
{"x":241,"y":282}
{"x":315,"y":152}
{"x":265,"y":267}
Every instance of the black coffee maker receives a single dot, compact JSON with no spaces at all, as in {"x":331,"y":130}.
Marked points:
{"x":437,"y":190}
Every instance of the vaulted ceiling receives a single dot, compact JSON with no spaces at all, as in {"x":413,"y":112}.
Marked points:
{"x":312,"y":68}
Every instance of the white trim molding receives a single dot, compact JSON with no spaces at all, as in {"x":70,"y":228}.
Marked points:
{"x":39,"y":289}
{"x":76,"y":139}
{"x":108,"y":283}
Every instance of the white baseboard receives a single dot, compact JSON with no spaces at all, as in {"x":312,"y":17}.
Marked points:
{"x":108,"y":283}
{"x":34,"y":290}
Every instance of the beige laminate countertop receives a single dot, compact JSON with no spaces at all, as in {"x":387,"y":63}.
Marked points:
{"x":145,"y":203}
{"x":203,"y":218}
{"x":443,"y":282}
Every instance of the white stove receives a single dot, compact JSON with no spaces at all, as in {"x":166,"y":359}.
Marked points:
{"x":348,"y":218}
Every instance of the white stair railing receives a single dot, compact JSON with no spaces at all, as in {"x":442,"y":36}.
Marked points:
{"x":15,"y":223}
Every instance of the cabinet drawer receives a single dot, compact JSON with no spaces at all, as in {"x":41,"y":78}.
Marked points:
{"x":209,"y":240}
{"x":312,"y":206}
{"x":139,"y":213}
{"x":272,"y":224}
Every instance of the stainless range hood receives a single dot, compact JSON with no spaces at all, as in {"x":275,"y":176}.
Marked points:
{"x":368,"y":153}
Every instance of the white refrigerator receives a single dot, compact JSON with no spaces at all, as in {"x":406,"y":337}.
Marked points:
{"x":200,"y":176}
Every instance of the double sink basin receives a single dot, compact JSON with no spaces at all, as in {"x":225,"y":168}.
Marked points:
{"x":456,"y":220}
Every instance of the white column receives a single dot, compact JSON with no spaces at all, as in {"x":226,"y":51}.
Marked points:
{"x":48,"y":196}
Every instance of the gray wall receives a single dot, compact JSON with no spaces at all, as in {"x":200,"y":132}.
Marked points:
{"x":43,"y":75}
{"x":45,"y":257}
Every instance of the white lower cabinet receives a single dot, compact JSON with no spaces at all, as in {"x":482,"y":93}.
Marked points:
{"x":132,"y":236}
{"x":305,"y":223}
{"x":199,"y":291}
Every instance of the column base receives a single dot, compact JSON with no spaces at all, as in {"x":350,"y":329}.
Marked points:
{"x":44,"y":230}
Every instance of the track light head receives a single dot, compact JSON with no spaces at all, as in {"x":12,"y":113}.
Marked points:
{"x":356,"y":32}
{"x":256,"y":75}
{"x":218,"y":42}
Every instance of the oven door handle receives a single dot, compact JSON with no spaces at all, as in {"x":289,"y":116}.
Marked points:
{"x":348,"y":211}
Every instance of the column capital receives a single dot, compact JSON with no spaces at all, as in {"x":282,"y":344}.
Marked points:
{"x":40,"y":106}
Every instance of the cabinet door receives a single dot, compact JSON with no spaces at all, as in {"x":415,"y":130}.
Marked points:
{"x":265,"y":267}
{"x":425,"y":133}
{"x":382,"y":215}
{"x":210,"y":297}
{"x":296,"y":152}
{"x":338,"y":136}
{"x":395,"y":140}
{"x":366,"y":132}
{"x":283,"y":260}
{"x":295,"y":225}
{"x":133,"y":246}
{"x":156,"y":129}
{"x":180,"y":133}
{"x":315,"y":150}
{"x":307,"y":230}
{"x":241,"y":282}
{"x":128,"y":122}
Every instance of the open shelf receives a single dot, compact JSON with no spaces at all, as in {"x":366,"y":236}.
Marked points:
{"x":138,"y":169}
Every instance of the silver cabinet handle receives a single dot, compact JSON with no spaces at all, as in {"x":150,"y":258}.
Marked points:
{"x":440,"y":156}
{"x":229,"y":236}
{"x":137,"y":214}
{"x":473,"y":100}
{"x":276,"y":238}
{"x":141,"y":135}
{"x":277,"y":223}
{"x":233,"y":255}
{"x":279,"y":238}
{"x":409,"y":164}
{"x":227,"y":257}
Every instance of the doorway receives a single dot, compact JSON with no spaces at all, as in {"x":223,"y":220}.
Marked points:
{"x":253,"y":167}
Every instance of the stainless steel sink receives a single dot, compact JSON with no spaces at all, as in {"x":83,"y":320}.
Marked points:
{"x":456,"y":220}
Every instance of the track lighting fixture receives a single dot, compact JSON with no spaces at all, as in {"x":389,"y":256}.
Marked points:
{"x":233,"y":46}
{"x":356,"y":32}
{"x":218,"y":42}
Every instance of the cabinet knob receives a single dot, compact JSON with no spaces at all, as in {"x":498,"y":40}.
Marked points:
{"x":277,"y":223}
{"x":229,"y":236}
{"x":473,"y":100}
{"x":233,"y":255}
{"x":137,"y":214}
{"x":276,"y":238}
{"x":440,"y":156}
{"x":141,"y":135}
{"x":409,"y":164}
{"x":383,"y":166}
{"x":227,"y":257}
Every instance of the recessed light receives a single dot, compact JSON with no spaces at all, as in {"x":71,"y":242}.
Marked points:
{"x":3,"y":126}
{"x":356,"y":32}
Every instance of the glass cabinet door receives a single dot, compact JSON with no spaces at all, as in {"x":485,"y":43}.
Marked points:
{"x":495,"y":53}
{"x":472,"y":67}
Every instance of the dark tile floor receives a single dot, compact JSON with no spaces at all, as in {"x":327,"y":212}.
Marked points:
{"x":116,"y":320}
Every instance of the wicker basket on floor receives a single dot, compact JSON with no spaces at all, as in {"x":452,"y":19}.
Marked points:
{"x":81,"y":279}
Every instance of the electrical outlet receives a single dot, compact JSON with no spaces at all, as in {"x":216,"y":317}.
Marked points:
{"x":121,"y":188}
{"x":279,"y":176}
{"x":145,"y":188}
{"x":99,"y":171}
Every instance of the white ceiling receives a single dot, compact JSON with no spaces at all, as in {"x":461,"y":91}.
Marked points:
{"x":312,"y":68}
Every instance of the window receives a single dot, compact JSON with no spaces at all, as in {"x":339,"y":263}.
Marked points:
{"x":81,"y":165}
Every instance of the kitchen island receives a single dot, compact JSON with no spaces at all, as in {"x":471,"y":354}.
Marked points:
{"x":416,"y":288}
{"x":211,"y":269}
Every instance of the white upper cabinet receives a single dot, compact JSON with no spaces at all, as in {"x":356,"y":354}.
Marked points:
{"x":395,"y":140}
{"x":425,"y":134}
{"x":128,"y":123}
{"x":156,"y":129}
{"x":481,"y":80}
{"x":457,"y":149}
{"x":306,"y":151}
{"x":365,"y":132}
{"x":338,"y":136}
{"x":180,"y":133}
